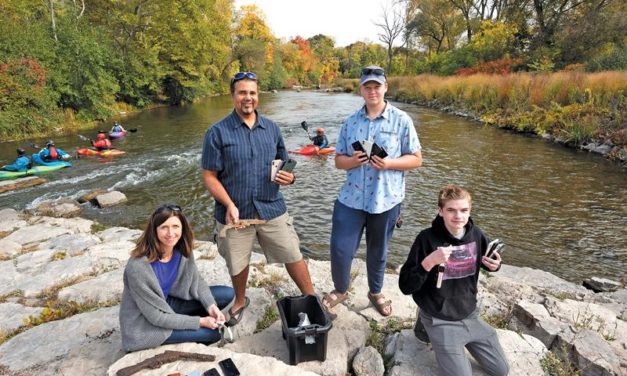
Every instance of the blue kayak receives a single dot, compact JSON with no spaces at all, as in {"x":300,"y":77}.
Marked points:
{"x":36,"y":159}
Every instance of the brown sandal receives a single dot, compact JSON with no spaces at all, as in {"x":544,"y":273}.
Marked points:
{"x":374,"y":299}
{"x":339,"y":298}
{"x":328,"y":302}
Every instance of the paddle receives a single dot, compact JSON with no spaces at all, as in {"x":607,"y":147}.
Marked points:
{"x":84,"y":138}
{"x":34,"y":146}
{"x":304,"y":125}
{"x":132,"y":130}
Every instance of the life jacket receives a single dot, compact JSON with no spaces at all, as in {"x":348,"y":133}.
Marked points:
{"x":52,"y":152}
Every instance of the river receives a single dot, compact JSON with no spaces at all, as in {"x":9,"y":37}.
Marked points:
{"x":557,"y":209}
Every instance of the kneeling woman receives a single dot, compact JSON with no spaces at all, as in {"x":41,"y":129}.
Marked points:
{"x":165,"y":300}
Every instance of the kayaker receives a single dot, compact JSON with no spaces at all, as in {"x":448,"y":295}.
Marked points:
{"x":52,"y":153}
{"x":22,"y":162}
{"x":117,"y":127}
{"x":102,"y":142}
{"x":320,"y":139}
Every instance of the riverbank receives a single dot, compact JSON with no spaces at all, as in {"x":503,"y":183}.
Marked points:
{"x":576,"y":109}
{"x":61,"y":282}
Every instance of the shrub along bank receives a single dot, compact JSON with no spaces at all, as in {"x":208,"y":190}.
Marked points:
{"x":574,"y":108}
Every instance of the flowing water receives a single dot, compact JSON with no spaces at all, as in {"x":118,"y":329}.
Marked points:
{"x":557,"y":209}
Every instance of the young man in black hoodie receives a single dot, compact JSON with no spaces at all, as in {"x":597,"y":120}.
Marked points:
{"x":441,"y":272}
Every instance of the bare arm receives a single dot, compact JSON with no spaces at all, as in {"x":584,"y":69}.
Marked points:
{"x":348,"y":162}
{"x":403,"y":163}
{"x":216,"y":189}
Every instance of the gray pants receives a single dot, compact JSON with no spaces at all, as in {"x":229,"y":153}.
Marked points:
{"x":449,"y":338}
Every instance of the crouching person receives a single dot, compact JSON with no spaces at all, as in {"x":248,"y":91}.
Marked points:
{"x":165,"y":300}
{"x":441,"y":272}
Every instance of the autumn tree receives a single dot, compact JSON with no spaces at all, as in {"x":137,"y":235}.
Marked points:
{"x":391,"y":26}
{"x":253,"y":42}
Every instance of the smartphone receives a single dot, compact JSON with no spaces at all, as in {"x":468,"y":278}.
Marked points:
{"x":367,"y":146}
{"x":357,"y":146}
{"x":378,"y":151}
{"x":228,"y":367}
{"x":288,"y":166}
{"x":499,"y":249}
{"x":276,"y":164}
{"x":211,"y":372}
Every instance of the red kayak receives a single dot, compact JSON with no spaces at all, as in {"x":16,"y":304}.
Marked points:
{"x":313,"y":150}
{"x":103,"y":153}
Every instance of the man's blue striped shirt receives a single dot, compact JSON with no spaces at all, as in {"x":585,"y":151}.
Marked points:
{"x":243,"y":156}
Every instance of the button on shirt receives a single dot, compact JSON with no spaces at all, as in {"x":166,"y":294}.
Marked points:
{"x":242,"y":157}
{"x":366,"y":188}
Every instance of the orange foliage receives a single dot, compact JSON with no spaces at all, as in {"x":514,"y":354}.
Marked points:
{"x":30,"y":70}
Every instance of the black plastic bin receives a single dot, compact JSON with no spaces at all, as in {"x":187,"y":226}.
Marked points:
{"x":300,"y":350}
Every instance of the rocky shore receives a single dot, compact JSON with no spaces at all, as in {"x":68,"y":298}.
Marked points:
{"x":61,"y":281}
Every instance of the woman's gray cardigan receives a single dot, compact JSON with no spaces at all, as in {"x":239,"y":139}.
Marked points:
{"x":146,"y":319}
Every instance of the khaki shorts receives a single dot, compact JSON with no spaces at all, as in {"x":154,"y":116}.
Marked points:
{"x":277,"y":238}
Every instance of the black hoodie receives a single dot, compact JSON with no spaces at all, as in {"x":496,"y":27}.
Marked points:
{"x":457,"y":298}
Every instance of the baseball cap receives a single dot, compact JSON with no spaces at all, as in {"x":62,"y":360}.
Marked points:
{"x":372,"y":73}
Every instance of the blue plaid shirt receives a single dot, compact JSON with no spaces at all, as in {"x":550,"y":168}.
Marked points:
{"x":366,"y":188}
{"x":242,"y":157}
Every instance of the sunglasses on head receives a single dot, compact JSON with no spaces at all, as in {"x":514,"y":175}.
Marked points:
{"x":375,"y":71}
{"x":241,"y":75}
{"x":171,"y":207}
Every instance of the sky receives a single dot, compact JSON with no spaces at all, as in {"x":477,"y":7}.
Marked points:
{"x":346,"y":21}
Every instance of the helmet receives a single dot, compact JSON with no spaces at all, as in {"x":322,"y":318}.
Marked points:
{"x":50,"y":143}
{"x":116,"y":123}
{"x":320,"y":130}
{"x":101,"y":136}
{"x":21,"y":151}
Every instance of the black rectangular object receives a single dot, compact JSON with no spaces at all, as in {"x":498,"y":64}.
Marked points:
{"x":300,"y":351}
{"x":228,"y":367}
{"x":211,"y":372}
{"x":357,"y":146}
{"x":378,"y":151}
{"x":288,"y":165}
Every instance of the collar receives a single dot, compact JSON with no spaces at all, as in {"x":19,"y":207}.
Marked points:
{"x":238,"y":121}
{"x":384,"y":114}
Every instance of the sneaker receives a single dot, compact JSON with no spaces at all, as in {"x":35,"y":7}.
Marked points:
{"x":420,"y":332}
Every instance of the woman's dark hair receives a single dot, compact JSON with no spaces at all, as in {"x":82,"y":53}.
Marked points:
{"x":148,"y":244}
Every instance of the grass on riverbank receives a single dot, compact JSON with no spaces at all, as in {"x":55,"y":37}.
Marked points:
{"x":575,"y":107}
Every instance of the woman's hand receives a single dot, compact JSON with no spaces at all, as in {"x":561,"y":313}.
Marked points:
{"x":208,"y":322}
{"x":492,"y":263}
{"x":215,"y":312}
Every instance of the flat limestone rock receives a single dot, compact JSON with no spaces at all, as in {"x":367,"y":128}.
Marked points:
{"x":247,"y":364}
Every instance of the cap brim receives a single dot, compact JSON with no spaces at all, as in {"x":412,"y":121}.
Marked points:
{"x":372,"y":77}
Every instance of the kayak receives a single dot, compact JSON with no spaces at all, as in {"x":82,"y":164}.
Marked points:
{"x":313,"y":150}
{"x":36,"y":158}
{"x":103,"y":153}
{"x":114,"y":135}
{"x":37,"y":170}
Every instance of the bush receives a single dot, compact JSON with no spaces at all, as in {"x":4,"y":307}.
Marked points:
{"x":613,"y":59}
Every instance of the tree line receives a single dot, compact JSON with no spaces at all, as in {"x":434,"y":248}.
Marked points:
{"x":73,"y":61}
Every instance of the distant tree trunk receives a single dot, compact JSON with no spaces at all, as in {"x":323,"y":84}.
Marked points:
{"x":392,"y":26}
{"x":54,"y":27}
